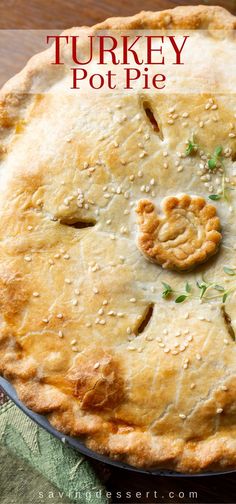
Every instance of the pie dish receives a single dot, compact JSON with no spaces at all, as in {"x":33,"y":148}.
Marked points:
{"x":117,"y":263}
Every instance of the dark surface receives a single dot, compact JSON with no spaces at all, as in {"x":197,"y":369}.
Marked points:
{"x":61,"y":14}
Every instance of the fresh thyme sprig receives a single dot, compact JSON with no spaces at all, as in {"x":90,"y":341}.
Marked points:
{"x":205,"y":287}
{"x":216,"y":158}
{"x":192,"y":147}
{"x":167,"y":291}
{"x":215,"y":162}
{"x":185,"y":295}
{"x":204,"y":290}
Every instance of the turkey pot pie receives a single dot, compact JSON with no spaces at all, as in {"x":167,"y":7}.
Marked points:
{"x":118,"y":326}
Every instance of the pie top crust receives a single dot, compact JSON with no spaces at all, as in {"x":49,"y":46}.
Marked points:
{"x":91,"y":333}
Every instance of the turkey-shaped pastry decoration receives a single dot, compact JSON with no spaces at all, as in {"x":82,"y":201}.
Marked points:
{"x":187,"y":233}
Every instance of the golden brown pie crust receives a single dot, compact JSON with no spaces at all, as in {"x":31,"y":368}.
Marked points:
{"x":73,"y":299}
{"x":187,"y":235}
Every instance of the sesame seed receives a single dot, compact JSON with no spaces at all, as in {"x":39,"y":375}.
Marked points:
{"x":132,"y":300}
{"x":102,"y":322}
{"x":219,"y":411}
{"x":198,"y":357}
{"x":192,"y":386}
{"x":166,"y":350}
{"x":75,"y":302}
{"x":60,"y":315}
{"x":60,"y":334}
{"x":28,"y":258}
{"x":66,"y":256}
{"x":224,"y":388}
{"x":183,"y":416}
{"x":95,"y":290}
{"x":45,"y":320}
{"x":73,"y":342}
{"x":35,"y":294}
{"x":131,"y":347}
{"x":29,"y":228}
{"x":75,"y":348}
{"x":96,"y":366}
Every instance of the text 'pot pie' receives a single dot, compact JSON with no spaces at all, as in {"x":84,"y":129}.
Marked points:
{"x":118,"y":258}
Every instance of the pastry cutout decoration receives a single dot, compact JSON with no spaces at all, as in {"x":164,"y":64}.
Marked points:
{"x":185,"y":235}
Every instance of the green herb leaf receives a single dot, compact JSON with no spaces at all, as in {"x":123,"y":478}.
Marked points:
{"x":215,"y":197}
{"x":229,"y":271}
{"x":203,"y":288}
{"x":188,"y":287}
{"x":181,"y":298}
{"x":225,"y":297}
{"x":191,"y":147}
{"x":218,"y":151}
{"x":211,"y":163}
{"x":198,"y":284}
{"x":219,"y":288}
{"x":167,"y":290}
